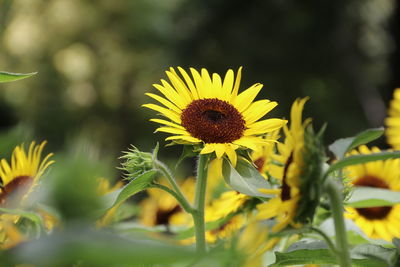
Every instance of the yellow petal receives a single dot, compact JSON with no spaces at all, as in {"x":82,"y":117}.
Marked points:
{"x":265,"y":126}
{"x":166,"y":112}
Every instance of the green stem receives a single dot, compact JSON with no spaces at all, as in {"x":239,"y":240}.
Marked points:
{"x":327,"y":240}
{"x":199,"y":203}
{"x":179,"y":195}
{"x":184,"y":204}
{"x":336,"y":200}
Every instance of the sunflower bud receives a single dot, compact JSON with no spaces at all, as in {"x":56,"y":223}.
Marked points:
{"x":136,"y":162}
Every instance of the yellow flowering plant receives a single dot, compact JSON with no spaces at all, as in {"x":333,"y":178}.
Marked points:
{"x":266,"y":190}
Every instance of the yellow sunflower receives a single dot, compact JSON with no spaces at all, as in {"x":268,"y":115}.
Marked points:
{"x":289,"y":169}
{"x":208,"y":111}
{"x":103,"y":188}
{"x":263,"y":156}
{"x":393,"y":121}
{"x":18,"y":180}
{"x":376,"y":222}
{"x":160,"y":208}
{"x":22,"y":175}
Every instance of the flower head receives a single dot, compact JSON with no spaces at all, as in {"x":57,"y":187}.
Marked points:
{"x":19,"y":177}
{"x":299,"y":161}
{"x":211,"y":113}
{"x":376,"y":222}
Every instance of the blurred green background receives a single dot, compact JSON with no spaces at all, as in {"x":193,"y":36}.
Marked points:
{"x":96,"y":59}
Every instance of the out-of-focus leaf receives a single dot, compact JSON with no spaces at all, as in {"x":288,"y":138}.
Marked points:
{"x":360,"y":159}
{"x":31,"y":216}
{"x":341,"y":146}
{"x":245,"y":178}
{"x":85,"y":247}
{"x":319,"y":256}
{"x":139,"y":184}
{"x":375,"y":253}
{"x":10,"y":77}
{"x":363,"y":197}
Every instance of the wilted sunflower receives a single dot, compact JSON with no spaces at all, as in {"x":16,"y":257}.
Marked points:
{"x":393,"y":121}
{"x":22,"y":175}
{"x":295,"y":172}
{"x":206,"y":110}
{"x":376,"y":222}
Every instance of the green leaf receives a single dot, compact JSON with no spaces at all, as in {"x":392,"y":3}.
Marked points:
{"x":245,"y":178}
{"x":86,"y":247}
{"x":10,"y":77}
{"x":375,"y":253}
{"x":319,"y":256}
{"x":363,"y":197}
{"x":139,"y":184}
{"x":35,"y":218}
{"x":341,"y":146}
{"x":304,"y":256}
{"x":363,"y":158}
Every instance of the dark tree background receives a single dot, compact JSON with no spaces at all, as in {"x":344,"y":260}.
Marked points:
{"x":96,"y":59}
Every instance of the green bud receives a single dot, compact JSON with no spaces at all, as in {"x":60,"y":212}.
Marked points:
{"x":135,"y":162}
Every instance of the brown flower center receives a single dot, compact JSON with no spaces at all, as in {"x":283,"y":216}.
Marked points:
{"x":259,"y":163}
{"x":374,"y":213}
{"x":285,"y":193}
{"x":213,"y":121}
{"x":162,"y":216}
{"x":12,"y":193}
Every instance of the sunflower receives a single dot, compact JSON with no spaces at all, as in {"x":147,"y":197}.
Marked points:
{"x":376,"y":222}
{"x":393,"y":121}
{"x":288,"y":170}
{"x":262,"y":157}
{"x":22,"y":175}
{"x":18,"y":180}
{"x":103,"y":188}
{"x":211,"y":113}
{"x":160,"y":208}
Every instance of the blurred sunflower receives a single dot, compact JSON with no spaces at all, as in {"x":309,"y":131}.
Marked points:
{"x":263,"y":156}
{"x":22,"y":175}
{"x":160,"y":208}
{"x":18,"y":180}
{"x":393,"y":121}
{"x":103,"y":188}
{"x":290,"y":170}
{"x":376,"y":222}
{"x":209,"y":111}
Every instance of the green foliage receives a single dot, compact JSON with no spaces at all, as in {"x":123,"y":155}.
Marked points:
{"x":342,"y":146}
{"x":311,"y":177}
{"x":361,"y":158}
{"x":363,"y":197}
{"x":11,"y":77}
{"x":245,"y":178}
{"x":138,"y":184}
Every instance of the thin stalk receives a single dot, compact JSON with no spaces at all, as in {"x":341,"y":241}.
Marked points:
{"x":184,"y":204}
{"x":181,"y":197}
{"x":199,"y":203}
{"x":327,"y":240}
{"x":336,"y":200}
